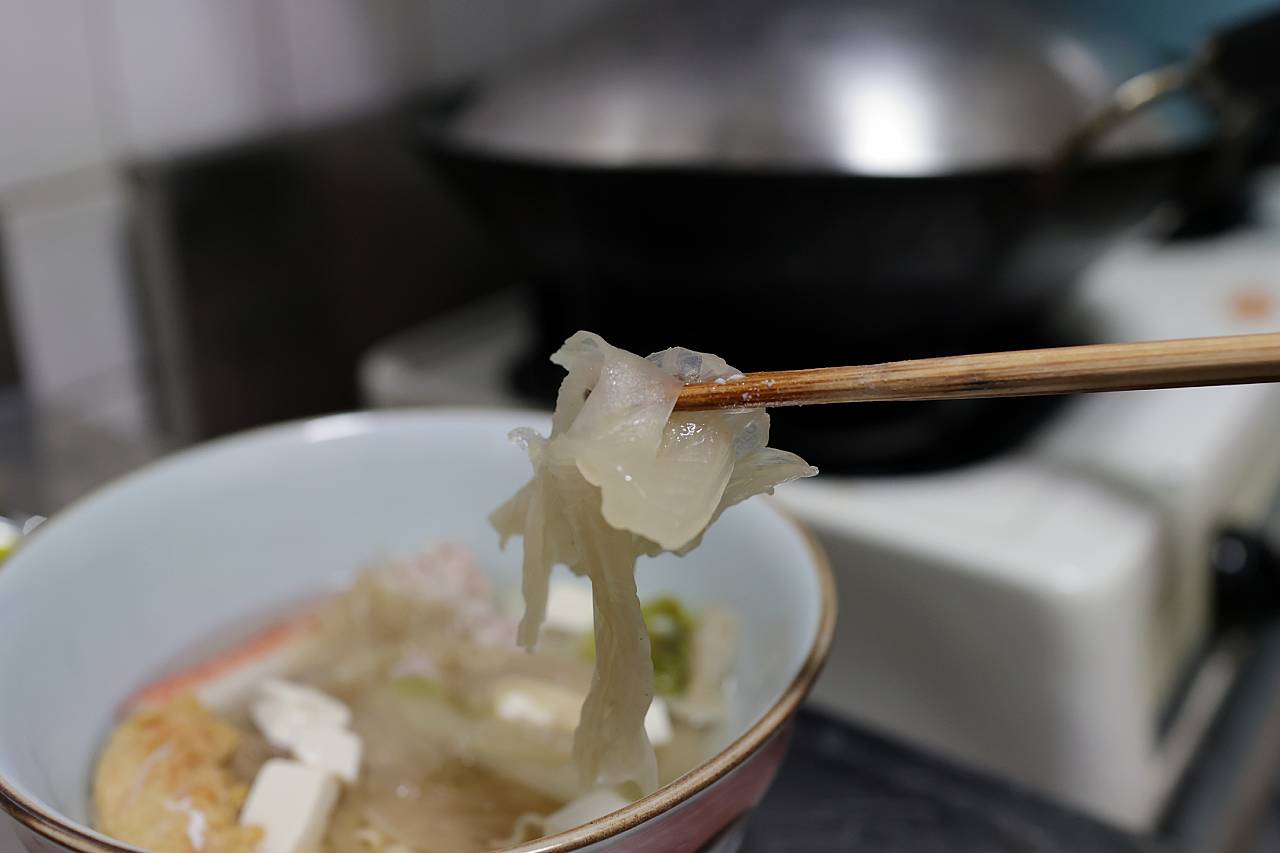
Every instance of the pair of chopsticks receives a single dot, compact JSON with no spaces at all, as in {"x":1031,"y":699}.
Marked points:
{"x":1228,"y":360}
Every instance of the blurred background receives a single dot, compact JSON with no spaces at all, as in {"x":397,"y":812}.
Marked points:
{"x":216,"y":214}
{"x":210,"y":210}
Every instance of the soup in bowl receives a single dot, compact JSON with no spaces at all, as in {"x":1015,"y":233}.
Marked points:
{"x":180,"y":580}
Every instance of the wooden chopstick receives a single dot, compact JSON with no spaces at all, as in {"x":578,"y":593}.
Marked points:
{"x":1230,"y":360}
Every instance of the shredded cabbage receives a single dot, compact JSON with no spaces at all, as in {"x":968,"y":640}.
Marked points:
{"x":619,"y":477}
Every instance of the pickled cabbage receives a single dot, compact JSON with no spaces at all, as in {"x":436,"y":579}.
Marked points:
{"x":623,"y":476}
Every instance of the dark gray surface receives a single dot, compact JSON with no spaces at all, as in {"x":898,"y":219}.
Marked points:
{"x":55,"y":452}
{"x":843,"y":790}
{"x":1227,"y":801}
{"x":8,"y":354}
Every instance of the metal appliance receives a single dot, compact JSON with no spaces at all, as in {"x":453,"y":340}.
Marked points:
{"x":869,"y":87}
{"x":916,"y":177}
{"x":1046,"y":615}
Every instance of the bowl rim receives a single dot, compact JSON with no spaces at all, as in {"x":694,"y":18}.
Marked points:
{"x":56,"y":828}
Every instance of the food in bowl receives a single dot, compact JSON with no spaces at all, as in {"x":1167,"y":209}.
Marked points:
{"x":397,"y":715}
{"x":213,"y":542}
{"x":400,"y":715}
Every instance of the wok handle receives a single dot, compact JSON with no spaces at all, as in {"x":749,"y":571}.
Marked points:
{"x":1130,"y":98}
{"x":1242,"y":63}
{"x":1244,"y":60}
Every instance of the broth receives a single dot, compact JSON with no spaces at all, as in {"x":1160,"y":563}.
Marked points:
{"x":466,"y":740}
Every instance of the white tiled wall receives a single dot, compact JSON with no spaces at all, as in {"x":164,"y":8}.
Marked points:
{"x":49,"y":120}
{"x":339,"y":55}
{"x":184,"y":72}
{"x":88,"y":84}
{"x":64,"y":259}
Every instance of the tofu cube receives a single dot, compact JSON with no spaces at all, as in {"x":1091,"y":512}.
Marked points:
{"x":291,"y":802}
{"x":282,"y":709}
{"x":530,"y":701}
{"x":335,"y":750}
{"x":533,"y":702}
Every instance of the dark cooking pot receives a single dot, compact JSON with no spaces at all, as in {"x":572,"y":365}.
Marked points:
{"x":824,"y":181}
{"x":830,"y":268}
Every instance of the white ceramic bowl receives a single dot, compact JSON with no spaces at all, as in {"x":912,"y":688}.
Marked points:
{"x":110,"y":592}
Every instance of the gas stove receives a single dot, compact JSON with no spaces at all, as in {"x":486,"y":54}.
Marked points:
{"x":1045,"y":615}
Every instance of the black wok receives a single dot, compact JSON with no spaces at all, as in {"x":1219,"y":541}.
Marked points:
{"x":790,"y":268}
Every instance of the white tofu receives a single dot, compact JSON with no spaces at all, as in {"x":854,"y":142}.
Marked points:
{"x":292,"y":803}
{"x":518,"y":699}
{"x":335,"y":750}
{"x":570,"y":608}
{"x":282,"y":709}
{"x":657,"y":722}
{"x":316,"y":704}
{"x":584,"y":809}
{"x":537,"y":703}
